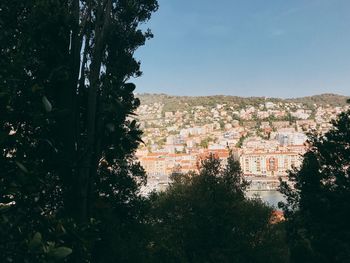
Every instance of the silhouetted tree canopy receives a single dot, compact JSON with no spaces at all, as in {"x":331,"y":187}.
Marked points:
{"x":67,"y":136}
{"x":205,"y":217}
{"x":317,"y":207}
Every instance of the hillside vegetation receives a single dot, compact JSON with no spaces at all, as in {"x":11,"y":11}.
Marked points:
{"x":173,"y":103}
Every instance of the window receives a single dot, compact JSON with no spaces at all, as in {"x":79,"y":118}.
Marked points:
{"x":272,"y":164}
{"x":258,"y":164}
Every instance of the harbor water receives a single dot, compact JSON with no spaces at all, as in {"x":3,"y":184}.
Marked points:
{"x":272,"y":197}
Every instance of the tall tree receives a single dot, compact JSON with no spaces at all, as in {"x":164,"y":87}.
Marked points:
{"x":317,"y":206}
{"x":205,"y":218}
{"x":66,"y":136}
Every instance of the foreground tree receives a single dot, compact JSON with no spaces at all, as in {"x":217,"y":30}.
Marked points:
{"x":66,"y":136}
{"x":317,"y":206}
{"x":205,"y":218}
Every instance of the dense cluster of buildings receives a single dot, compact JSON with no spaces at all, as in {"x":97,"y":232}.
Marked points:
{"x":268,"y":140}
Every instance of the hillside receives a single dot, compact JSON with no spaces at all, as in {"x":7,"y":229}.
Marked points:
{"x":173,"y":103}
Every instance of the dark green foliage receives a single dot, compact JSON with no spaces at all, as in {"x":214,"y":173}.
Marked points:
{"x":67,"y":141}
{"x":205,"y":142}
{"x":240,"y":141}
{"x":171,"y":103}
{"x":205,"y":218}
{"x":318,"y":206}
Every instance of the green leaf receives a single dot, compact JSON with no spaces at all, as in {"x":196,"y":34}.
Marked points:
{"x":133,"y":124}
{"x":36,"y":241}
{"x":47,"y":104}
{"x":140,"y":140}
{"x":130,"y":113}
{"x":61,"y":252}
{"x":22,"y":167}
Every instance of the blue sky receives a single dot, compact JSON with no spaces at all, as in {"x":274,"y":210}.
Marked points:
{"x":274,"y":48}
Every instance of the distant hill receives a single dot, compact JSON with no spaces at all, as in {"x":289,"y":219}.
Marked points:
{"x":173,"y":103}
{"x":323,"y":99}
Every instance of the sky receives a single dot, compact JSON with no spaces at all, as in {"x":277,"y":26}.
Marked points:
{"x":272,"y":48}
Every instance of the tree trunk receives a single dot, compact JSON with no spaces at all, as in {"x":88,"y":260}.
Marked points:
{"x":67,"y":122}
{"x":89,"y":164}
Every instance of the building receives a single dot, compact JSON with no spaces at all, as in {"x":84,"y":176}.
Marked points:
{"x":269,"y":164}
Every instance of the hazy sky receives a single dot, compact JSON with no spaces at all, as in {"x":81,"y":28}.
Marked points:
{"x":275,"y":48}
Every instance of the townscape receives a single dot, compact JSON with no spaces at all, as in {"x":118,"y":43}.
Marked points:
{"x":98,"y":164}
{"x":267,"y":136}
